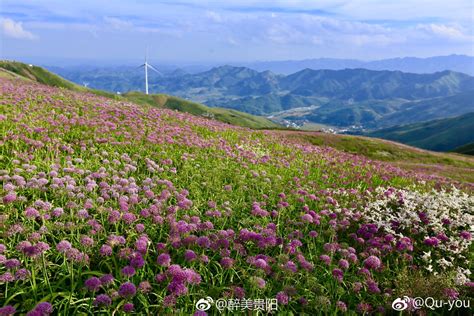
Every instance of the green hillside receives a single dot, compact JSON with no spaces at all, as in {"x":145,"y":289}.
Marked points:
{"x":224,"y":115}
{"x":465,"y":149}
{"x":46,"y":77}
{"x":438,"y":135}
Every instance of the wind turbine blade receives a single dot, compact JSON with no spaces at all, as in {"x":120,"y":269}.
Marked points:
{"x":156,"y":70}
{"x":141,"y":66}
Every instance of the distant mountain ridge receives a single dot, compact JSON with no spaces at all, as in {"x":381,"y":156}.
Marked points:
{"x":458,"y":63}
{"x":349,"y":98}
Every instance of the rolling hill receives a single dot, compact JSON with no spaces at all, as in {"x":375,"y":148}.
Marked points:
{"x":41,"y":75}
{"x":439,"y":135}
{"x":467,"y":149}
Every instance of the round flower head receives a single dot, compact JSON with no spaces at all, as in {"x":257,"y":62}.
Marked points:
{"x":282,"y":298}
{"x":44,"y":308}
{"x":128,"y":271}
{"x":128,"y":307}
{"x":106,"y":279}
{"x":227,"y":262}
{"x":189,"y":255}
{"x":127,"y":289}
{"x":102,"y":300}
{"x":372,"y":262}
{"x":93,"y":284}
{"x":105,"y":251}
{"x":164,"y":260}
{"x":7,"y":310}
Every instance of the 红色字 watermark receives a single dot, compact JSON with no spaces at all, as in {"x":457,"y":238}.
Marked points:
{"x":406,"y":302}
{"x":231,"y":304}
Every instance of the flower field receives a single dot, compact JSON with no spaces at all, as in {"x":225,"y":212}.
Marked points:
{"x":113,"y":208}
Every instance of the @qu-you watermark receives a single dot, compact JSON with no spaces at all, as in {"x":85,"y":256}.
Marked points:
{"x":408,"y":303}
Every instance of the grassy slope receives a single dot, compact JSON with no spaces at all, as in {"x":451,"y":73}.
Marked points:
{"x":224,"y":115}
{"x":234,"y":117}
{"x":439,"y":135}
{"x":450,"y":165}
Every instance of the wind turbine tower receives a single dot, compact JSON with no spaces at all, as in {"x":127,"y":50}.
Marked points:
{"x":146,"y":65}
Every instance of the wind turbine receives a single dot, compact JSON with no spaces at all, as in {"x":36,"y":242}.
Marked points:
{"x":146,"y":65}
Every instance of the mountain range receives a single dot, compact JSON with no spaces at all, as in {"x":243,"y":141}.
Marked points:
{"x":459,"y":63}
{"x":348,"y":98}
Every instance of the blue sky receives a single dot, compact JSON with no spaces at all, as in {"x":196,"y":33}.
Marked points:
{"x":228,"y":30}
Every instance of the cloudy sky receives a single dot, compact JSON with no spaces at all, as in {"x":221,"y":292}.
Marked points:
{"x":230,"y":30}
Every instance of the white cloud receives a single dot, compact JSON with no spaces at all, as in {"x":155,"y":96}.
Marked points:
{"x":117,"y":23}
{"x":450,"y":32}
{"x":15,"y":29}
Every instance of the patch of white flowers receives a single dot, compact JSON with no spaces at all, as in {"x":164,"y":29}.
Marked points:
{"x":441,"y":222}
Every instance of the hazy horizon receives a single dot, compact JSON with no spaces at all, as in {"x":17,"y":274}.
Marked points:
{"x":197,"y":32}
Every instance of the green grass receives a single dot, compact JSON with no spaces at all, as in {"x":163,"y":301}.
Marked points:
{"x":224,"y":115}
{"x":451,"y":165}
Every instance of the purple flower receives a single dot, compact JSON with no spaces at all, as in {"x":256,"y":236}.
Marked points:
{"x":7,"y":310}
{"x":22,"y":274}
{"x":87,"y":241}
{"x":356,"y":287}
{"x":169,"y":300}
{"x":259,"y":282}
{"x":291,"y":266}
{"x":6,"y":277}
{"x":340,"y":305}
{"x":9,"y":198}
{"x":43,"y":308}
{"x":63,"y":246}
{"x":128,"y":271}
{"x":12,"y":263}
{"x":106,"y":279}
{"x":105,"y":251}
{"x":338,"y":274}
{"x":203,"y":242}
{"x":128,"y":307}
{"x":431,"y":241}
{"x":465,"y":235}
{"x":227,"y":262}
{"x":102,"y":300}
{"x":364,"y":307}
{"x":31,"y":213}
{"x":177,"y":288}
{"x":373,"y":287}
{"x":282,"y":298}
{"x":144,"y":287}
{"x":137,"y":261}
{"x":189,"y":255}
{"x":127,"y":289}
{"x":372,"y":262}
{"x":404,"y":244}
{"x":93,"y":284}
{"x":325,"y":258}
{"x":451,"y":294}
{"x":344,"y":264}
{"x":164,"y":260}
